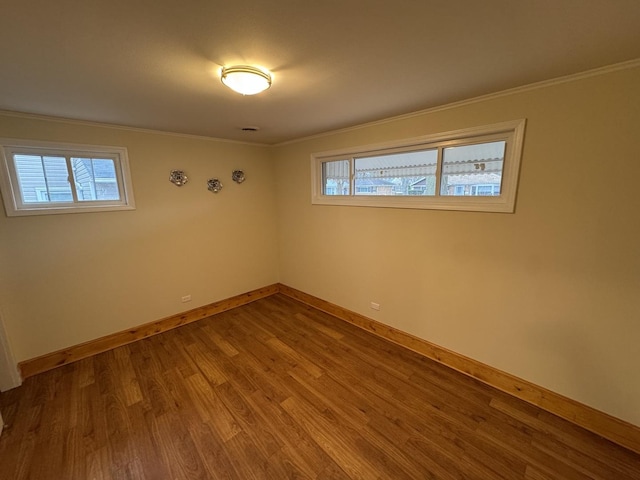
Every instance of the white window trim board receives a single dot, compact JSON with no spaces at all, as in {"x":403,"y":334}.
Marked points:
{"x":11,"y":190}
{"x":513,"y":131}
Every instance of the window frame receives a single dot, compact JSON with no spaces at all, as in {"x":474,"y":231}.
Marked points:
{"x":11,"y":189}
{"x":512,"y":132}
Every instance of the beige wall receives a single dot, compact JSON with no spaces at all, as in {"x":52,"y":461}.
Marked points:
{"x":550,"y":293}
{"x":66,"y":279}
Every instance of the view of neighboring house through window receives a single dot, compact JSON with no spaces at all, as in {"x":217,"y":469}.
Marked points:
{"x":336,"y":175}
{"x":467,"y":170}
{"x":402,"y":173}
{"x":54,"y":178}
{"x":447,"y":171}
{"x":46,"y":179}
{"x":473,"y":169}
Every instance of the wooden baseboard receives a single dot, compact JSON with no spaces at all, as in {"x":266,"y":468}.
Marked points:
{"x":52,"y":360}
{"x":600,"y":423}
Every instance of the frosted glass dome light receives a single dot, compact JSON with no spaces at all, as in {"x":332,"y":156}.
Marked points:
{"x":245,"y":79}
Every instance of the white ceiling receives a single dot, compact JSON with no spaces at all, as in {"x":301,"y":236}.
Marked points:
{"x":336,"y":63}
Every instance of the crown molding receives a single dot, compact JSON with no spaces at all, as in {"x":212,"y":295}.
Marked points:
{"x":482,"y":98}
{"x":88,"y":123}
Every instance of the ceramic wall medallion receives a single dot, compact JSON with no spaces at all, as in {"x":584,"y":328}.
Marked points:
{"x":238,"y":176}
{"x":178,"y":177}
{"x":214,"y":185}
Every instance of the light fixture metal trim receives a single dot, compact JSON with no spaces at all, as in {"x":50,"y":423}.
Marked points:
{"x":245,"y":79}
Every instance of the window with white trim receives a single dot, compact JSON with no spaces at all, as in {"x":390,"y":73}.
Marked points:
{"x":40,"y":178}
{"x":474,"y":169}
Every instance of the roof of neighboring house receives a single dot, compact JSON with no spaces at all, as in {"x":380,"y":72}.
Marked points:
{"x":374,"y":182}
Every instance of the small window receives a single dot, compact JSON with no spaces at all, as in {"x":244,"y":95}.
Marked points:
{"x":474,"y":169}
{"x":41,"y":178}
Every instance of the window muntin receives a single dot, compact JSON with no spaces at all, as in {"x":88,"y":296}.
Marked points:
{"x":474,"y":169}
{"x":42,"y":178}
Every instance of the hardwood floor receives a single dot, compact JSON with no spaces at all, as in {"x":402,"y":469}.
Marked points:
{"x":278,"y":390}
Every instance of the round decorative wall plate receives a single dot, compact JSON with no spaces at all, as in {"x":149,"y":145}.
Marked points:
{"x":178,"y":177}
{"x":214,"y":185}
{"x":238,"y":176}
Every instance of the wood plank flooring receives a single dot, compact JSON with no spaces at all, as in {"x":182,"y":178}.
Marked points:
{"x":278,"y":390}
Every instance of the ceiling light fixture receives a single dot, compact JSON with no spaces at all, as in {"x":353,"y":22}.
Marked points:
{"x":245,"y":79}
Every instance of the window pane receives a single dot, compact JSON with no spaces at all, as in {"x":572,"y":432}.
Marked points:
{"x":474,"y":170}
{"x":407,"y":173}
{"x":95,"y":179}
{"x":43,"y":179}
{"x":335,"y":177}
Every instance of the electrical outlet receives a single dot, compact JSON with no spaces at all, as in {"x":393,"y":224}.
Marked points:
{"x":375,"y":306}
{"x":186,"y":298}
